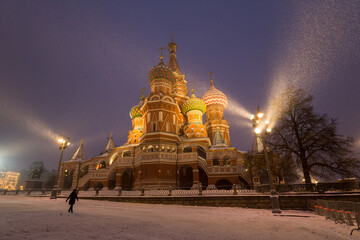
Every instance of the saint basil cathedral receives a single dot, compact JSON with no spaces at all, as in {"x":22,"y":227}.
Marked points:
{"x":169,"y":143}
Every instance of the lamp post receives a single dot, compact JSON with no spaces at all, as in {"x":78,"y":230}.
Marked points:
{"x":64,"y":143}
{"x":261,"y":131}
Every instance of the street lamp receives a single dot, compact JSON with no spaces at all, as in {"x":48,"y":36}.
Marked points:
{"x":64,"y":143}
{"x":261,"y":131}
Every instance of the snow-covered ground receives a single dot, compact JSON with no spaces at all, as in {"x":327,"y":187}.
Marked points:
{"x":41,"y":218}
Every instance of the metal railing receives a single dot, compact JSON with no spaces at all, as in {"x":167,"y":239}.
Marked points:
{"x":342,"y":212}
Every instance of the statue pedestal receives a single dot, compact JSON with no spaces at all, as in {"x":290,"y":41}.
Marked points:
{"x":34,"y":184}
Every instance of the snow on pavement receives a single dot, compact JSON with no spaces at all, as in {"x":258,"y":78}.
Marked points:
{"x":42,"y":218}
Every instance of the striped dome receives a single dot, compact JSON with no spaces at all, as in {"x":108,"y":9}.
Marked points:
{"x":161,"y":71}
{"x":135,"y":112}
{"x":214,"y":96}
{"x":193,"y":103}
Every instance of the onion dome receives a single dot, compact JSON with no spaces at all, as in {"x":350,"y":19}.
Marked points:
{"x":161,"y":71}
{"x":136,"y":112}
{"x":193,"y":103}
{"x":214,"y":96}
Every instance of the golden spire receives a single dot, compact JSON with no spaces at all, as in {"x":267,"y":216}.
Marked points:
{"x":82,"y":140}
{"x":161,"y":54}
{"x":192,"y":88}
{"x":211,"y":80}
{"x":111,"y":134}
{"x":143,"y":93}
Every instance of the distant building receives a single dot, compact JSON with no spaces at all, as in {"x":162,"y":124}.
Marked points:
{"x":168,"y":144}
{"x":9,"y":180}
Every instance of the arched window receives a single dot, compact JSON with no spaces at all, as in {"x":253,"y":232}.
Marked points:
{"x":101,"y":165}
{"x":216,"y":162}
{"x":187,"y":149}
{"x":154,"y":127}
{"x":227,"y":161}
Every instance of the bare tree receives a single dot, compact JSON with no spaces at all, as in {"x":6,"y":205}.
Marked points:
{"x":281,"y":167}
{"x":311,"y":139}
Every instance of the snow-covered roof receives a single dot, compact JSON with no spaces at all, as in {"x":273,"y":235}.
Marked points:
{"x":110,"y":145}
{"x":218,"y":141}
{"x":79,"y":155}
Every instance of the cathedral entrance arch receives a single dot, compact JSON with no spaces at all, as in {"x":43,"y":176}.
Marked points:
{"x":186,"y":177}
{"x":203,"y":178}
{"x":127,"y":179}
{"x":68,"y":179}
{"x":112,"y":179}
{"x":223,"y":184}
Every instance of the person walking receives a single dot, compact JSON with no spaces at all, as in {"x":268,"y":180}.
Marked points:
{"x":72,"y":198}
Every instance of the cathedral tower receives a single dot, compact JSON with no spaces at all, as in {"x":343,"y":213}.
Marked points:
{"x":216,"y":125}
{"x":137,"y":124}
{"x":194,"y":108}
{"x":160,"y":111}
{"x":180,"y":88}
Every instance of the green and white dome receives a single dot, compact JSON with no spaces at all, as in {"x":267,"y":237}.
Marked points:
{"x":135,"y":112}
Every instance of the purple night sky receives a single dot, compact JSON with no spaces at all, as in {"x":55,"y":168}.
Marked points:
{"x":76,"y":67}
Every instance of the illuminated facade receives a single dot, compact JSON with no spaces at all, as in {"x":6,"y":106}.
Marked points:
{"x":168,"y":144}
{"x":9,"y":180}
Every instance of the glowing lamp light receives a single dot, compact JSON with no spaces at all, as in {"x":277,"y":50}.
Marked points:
{"x":268,"y":130}
{"x":257,"y":130}
{"x":61,"y":140}
{"x":267,"y":122}
{"x":68,"y":143}
{"x":260,"y":114}
{"x":252,"y":117}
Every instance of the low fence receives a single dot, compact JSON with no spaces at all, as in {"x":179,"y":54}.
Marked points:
{"x":313,"y":187}
{"x":134,"y":193}
{"x":339,"y":211}
{"x":226,"y":190}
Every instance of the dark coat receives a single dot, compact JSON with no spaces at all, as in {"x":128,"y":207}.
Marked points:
{"x":72,"y":198}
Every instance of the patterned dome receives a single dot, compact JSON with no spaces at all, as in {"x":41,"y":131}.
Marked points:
{"x":193,"y":103}
{"x":161,"y":71}
{"x":135,"y":112}
{"x":214,"y":96}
